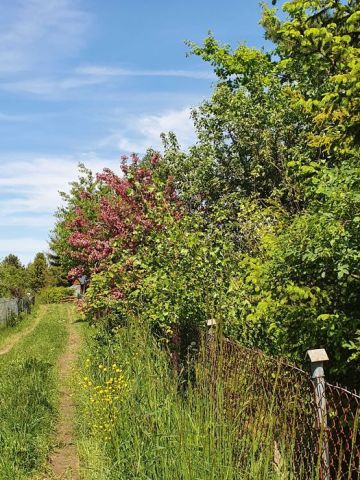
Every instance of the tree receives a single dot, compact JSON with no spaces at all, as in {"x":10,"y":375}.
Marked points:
{"x":57,"y":274}
{"x":247,"y":134}
{"x":276,"y":166}
{"x":83,"y":195}
{"x":318,"y":58}
{"x":108,"y":218}
{"x":13,"y":260}
{"x":38,"y":272}
{"x":13,"y":277}
{"x":264,"y":203}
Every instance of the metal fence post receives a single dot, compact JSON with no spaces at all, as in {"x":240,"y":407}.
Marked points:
{"x":317,"y":358}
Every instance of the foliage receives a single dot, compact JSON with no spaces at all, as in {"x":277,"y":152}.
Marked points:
{"x":318,"y":53}
{"x":276,"y":163}
{"x":16,"y":280}
{"x":13,"y":278}
{"x":12,"y":260}
{"x":38,"y":272}
{"x":256,"y":225}
{"x":247,"y":135}
{"x":111,"y":213}
{"x":53,"y":294}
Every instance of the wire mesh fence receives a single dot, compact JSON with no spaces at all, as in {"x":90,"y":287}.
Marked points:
{"x":342,"y":432}
{"x":11,"y":308}
{"x":275,"y":402}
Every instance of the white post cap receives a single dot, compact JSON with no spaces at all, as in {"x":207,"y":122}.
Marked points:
{"x":317,"y":355}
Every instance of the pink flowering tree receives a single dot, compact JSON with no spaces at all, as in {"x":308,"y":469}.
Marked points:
{"x":107,"y":218}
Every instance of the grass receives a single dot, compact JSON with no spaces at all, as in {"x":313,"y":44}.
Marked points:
{"x":224,"y":417}
{"x":22,"y":321}
{"x":137,"y":422}
{"x":28,"y":394}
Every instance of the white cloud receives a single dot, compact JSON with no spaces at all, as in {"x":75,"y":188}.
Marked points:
{"x":30,"y":186}
{"x":89,"y":76}
{"x":144,"y":131}
{"x":49,"y":87}
{"x":36,"y":32}
{"x":23,"y":245}
{"x":33,"y":221}
{"x":106,"y":72}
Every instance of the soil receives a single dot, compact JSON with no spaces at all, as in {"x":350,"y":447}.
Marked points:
{"x":64,"y":460}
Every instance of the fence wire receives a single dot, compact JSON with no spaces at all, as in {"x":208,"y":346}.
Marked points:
{"x":268,"y":398}
{"x":342,"y":432}
{"x":11,"y":308}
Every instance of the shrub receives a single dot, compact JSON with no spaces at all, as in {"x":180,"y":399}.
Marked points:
{"x":53,"y":294}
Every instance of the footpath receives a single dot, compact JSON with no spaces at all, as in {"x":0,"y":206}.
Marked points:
{"x":64,"y":460}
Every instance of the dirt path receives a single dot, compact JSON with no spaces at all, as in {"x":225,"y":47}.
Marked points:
{"x":64,"y":460}
{"x":16,"y":337}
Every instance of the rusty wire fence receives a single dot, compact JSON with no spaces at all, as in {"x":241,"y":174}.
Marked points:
{"x":275,"y":402}
{"x":11,"y":308}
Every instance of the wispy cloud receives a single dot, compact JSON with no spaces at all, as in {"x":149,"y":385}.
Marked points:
{"x":26,"y":220}
{"x":90,"y":76}
{"x":10,"y":118}
{"x":35,"y":32}
{"x":46,"y":87}
{"x":29,"y":196}
{"x":106,"y":72}
{"x":30,"y":185}
{"x":144,"y":131}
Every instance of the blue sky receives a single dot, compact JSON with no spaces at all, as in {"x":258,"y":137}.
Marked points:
{"x":88,"y":81}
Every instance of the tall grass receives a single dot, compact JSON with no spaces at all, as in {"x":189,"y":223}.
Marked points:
{"x":153,"y":427}
{"x":28,"y":396}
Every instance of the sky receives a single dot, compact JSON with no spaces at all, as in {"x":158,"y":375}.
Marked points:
{"x":88,"y":81}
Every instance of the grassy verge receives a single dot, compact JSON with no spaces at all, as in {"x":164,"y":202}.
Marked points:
{"x":23,"y":320}
{"x":28,"y":395}
{"x":136,"y":422}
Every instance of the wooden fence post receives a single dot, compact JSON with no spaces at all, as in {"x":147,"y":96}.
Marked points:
{"x":211,"y":326}
{"x":317,"y":358}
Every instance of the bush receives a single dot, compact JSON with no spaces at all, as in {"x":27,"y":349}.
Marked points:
{"x":53,"y":294}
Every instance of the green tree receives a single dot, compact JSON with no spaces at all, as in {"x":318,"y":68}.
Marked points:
{"x":317,"y":52}
{"x":276,"y":166}
{"x":13,"y":277}
{"x":13,"y":260}
{"x":38,"y":272}
{"x":269,"y":241}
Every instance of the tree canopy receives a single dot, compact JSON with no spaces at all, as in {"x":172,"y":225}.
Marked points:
{"x":258,"y":223}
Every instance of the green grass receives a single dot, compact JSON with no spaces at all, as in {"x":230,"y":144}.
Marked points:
{"x":157,"y":430}
{"x":28,"y":394}
{"x":22,"y":321}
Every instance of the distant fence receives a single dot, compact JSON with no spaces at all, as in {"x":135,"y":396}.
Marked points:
{"x":10,"y":308}
{"x":266,"y":396}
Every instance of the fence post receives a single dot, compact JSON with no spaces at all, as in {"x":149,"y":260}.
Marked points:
{"x":211,"y":325}
{"x":317,"y":358}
